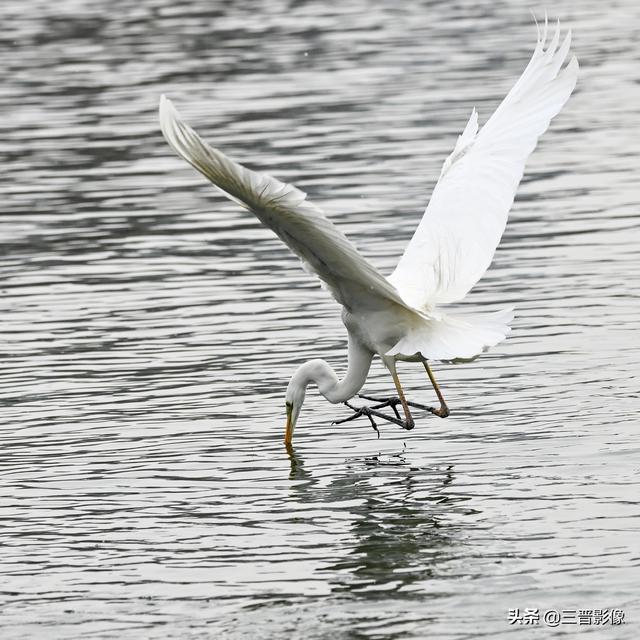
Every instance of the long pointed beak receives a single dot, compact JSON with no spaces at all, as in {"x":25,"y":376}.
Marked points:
{"x":288,"y":432}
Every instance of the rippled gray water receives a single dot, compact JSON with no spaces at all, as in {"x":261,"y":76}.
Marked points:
{"x":149,"y":329}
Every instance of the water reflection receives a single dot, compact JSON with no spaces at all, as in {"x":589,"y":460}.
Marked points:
{"x":397,"y":535}
{"x":298,"y":471}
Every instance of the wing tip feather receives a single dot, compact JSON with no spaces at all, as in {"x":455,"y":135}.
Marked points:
{"x":165,"y":110}
{"x":168,"y":117}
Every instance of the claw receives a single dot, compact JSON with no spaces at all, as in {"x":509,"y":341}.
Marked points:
{"x":369,"y":412}
{"x":359,"y":411}
{"x":393,"y":402}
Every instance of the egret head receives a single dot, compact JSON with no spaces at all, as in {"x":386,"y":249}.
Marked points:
{"x":294,"y":400}
{"x":314,"y":371}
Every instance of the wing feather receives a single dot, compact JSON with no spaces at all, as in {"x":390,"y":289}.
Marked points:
{"x":455,"y":241}
{"x":282,"y":207}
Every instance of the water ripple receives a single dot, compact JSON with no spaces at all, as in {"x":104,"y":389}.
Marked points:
{"x":149,"y":329}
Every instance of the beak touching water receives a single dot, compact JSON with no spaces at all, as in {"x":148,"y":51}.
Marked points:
{"x":291,"y":423}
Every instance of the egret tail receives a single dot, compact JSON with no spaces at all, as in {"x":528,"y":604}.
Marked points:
{"x":455,"y":337}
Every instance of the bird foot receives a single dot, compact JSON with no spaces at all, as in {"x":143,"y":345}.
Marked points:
{"x":371,"y":412}
{"x":394,"y":401}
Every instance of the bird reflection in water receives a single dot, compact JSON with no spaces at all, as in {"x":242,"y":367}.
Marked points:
{"x":400,"y":525}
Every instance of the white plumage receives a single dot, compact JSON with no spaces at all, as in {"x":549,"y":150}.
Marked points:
{"x":455,"y":241}
{"x":397,"y":317}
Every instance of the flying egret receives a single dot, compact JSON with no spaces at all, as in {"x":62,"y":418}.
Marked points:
{"x":398,"y":317}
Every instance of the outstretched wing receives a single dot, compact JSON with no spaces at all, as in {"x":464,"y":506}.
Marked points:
{"x":282,"y":207}
{"x":455,"y":241}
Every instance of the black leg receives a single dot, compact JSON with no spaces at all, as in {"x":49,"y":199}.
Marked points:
{"x":393,"y":402}
{"x":372,"y":412}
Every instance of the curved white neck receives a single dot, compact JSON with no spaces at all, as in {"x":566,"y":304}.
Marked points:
{"x":333,"y":389}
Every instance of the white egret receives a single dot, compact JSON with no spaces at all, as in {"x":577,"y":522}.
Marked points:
{"x":398,"y":317}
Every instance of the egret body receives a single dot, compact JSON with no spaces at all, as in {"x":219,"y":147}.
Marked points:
{"x":399,"y":317}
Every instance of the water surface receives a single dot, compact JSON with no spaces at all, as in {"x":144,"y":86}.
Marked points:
{"x":149,"y":329}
